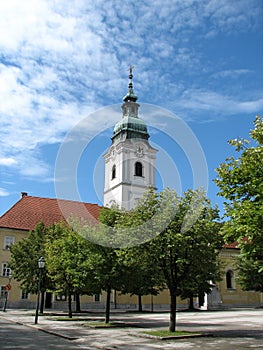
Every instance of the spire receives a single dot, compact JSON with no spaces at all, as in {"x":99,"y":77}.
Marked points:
{"x":130,"y":126}
{"x":130,"y":96}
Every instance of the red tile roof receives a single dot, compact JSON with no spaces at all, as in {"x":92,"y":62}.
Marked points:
{"x":29,"y":211}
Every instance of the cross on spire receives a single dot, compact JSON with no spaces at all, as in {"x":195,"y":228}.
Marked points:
{"x":131,"y":67}
{"x":130,"y":95}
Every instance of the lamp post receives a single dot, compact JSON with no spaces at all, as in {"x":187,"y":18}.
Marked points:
{"x":41,"y":265}
{"x":7,"y":290}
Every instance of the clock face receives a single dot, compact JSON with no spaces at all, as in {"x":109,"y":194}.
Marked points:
{"x":113,"y":154}
{"x":139,"y":151}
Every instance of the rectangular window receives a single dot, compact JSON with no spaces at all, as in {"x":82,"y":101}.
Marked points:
{"x":24,"y":295}
{"x":9,"y":240}
{"x":2,"y":292}
{"x":61,"y":297}
{"x":96,"y":297}
{"x":6,"y":271}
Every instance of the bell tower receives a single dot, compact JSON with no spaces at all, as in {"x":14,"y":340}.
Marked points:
{"x":130,"y":160}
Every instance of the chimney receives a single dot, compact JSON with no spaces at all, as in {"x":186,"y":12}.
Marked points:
{"x":23,"y":194}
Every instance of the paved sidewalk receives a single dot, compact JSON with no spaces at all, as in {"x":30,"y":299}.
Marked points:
{"x":96,"y":338}
{"x":242,"y":327}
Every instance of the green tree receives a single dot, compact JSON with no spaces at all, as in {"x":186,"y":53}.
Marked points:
{"x":142,"y":275}
{"x":24,"y":262}
{"x":69,"y":262}
{"x":198,"y":281}
{"x":109,"y":270}
{"x":109,"y":273}
{"x":187,"y":248}
{"x":240,"y":181}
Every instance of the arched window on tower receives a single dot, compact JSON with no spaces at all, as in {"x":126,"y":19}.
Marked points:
{"x":113,"y":172}
{"x":229,"y":279}
{"x":138,"y":169}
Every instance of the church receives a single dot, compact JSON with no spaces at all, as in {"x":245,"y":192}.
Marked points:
{"x":129,"y":171}
{"x":130,"y":161}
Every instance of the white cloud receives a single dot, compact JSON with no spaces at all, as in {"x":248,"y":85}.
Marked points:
{"x":232,"y":73}
{"x":232,"y":16}
{"x":61,"y":60}
{"x":7,"y":161}
{"x":3,"y":192}
{"x":19,"y":22}
{"x":218,"y":103}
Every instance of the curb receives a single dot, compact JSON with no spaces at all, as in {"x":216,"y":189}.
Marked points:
{"x":197,"y":335}
{"x":41,"y":329}
{"x":54,"y":333}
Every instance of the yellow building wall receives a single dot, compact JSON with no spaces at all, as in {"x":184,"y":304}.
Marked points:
{"x":14,"y":297}
{"x":235,"y":297}
{"x":126,"y":301}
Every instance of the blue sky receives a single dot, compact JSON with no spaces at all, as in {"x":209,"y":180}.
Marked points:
{"x":65,"y":64}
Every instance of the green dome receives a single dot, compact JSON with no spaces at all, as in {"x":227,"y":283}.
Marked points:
{"x":130,"y":96}
{"x":134,"y":128}
{"x":132,"y":124}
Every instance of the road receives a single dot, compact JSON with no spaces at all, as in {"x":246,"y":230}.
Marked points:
{"x":227,"y":330}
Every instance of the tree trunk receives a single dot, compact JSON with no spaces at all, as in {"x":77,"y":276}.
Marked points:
{"x":107,"y":313}
{"x":172,"y":324}
{"x":115,"y":299}
{"x":191,"y":303}
{"x":42,"y":301}
{"x":69,"y":305}
{"x":77,"y":302}
{"x":139,"y":303}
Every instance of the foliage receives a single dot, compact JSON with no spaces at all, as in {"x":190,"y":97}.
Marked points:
{"x":109,"y":271}
{"x":240,"y":182}
{"x":109,"y":216}
{"x":186,"y":250}
{"x":69,"y":262}
{"x":171,"y":239}
{"x":142,"y":275}
{"x":137,"y":273}
{"x":24,"y":260}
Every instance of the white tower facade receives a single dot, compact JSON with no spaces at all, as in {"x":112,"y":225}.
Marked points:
{"x":130,"y":160}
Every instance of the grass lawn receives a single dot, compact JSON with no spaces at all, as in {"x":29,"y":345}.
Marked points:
{"x":98,"y":324}
{"x":167,"y":334}
{"x":65,"y":318}
{"x":89,"y":322}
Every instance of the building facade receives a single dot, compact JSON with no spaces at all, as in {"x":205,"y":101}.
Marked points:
{"x":16,"y":224}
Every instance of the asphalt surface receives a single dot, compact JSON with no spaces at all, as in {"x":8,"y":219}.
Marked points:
{"x":221,"y":330}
